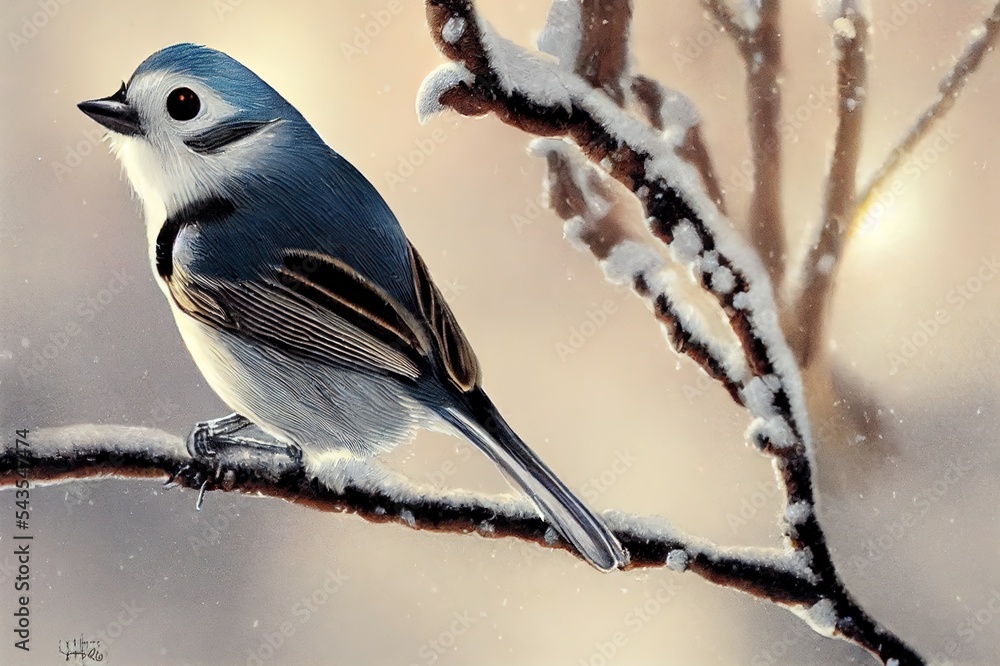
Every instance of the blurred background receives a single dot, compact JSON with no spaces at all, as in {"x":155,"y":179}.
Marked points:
{"x":619,"y":417}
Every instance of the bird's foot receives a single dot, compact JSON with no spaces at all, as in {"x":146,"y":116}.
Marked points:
{"x":221,"y":458}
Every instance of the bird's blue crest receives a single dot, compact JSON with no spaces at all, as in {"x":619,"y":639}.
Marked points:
{"x":237,"y":84}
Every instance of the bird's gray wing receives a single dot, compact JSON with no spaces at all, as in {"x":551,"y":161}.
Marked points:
{"x":315,"y":307}
{"x":311,"y":307}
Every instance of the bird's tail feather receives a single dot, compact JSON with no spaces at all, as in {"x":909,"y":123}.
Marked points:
{"x":485,"y":428}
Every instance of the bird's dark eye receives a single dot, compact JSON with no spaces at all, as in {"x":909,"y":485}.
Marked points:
{"x":183,"y":104}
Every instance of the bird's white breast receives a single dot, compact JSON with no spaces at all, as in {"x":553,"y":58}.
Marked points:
{"x":145,"y":174}
{"x":159,"y":199}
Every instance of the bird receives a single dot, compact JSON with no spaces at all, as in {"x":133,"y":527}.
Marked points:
{"x":294,"y":287}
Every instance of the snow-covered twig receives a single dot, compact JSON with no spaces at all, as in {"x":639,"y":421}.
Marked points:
{"x":597,"y":219}
{"x":488,"y":74}
{"x":589,"y":201}
{"x":756,"y":31}
{"x":381,"y":496}
{"x":656,"y":104}
{"x":818,"y":271}
{"x":984,"y":40}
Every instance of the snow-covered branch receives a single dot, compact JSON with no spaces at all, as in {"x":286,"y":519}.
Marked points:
{"x":379,"y":495}
{"x":489,"y":74}
{"x":597,"y":219}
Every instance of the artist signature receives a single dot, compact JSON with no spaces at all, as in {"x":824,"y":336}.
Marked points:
{"x":81,"y":650}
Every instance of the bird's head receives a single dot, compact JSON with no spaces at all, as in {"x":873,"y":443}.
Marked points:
{"x":191,"y":120}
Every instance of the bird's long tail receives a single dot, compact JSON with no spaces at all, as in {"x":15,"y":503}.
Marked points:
{"x":481,"y":423}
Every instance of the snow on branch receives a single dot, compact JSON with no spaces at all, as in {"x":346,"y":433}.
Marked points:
{"x":493,"y":75}
{"x":489,"y":74}
{"x":573,"y":186}
{"x":756,"y":30}
{"x":379,"y":495}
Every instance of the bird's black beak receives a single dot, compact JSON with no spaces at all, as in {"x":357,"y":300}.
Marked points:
{"x":114,"y":112}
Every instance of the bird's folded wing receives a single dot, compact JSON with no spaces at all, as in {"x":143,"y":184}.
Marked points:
{"x":318,"y":308}
{"x":314,"y":307}
{"x":456,"y":353}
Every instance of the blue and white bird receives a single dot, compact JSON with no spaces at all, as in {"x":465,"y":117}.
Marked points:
{"x":294,"y":287}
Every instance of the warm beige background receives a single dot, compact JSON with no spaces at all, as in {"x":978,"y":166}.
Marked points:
{"x":518,"y":293}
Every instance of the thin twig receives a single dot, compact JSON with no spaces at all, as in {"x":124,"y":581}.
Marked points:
{"x":765,"y":219}
{"x":948,"y":90}
{"x":574,"y":186}
{"x":651,"y":98}
{"x":603,"y":56}
{"x":760,"y":46}
{"x":723,"y":15}
{"x":583,"y":196}
{"x":806,"y":330}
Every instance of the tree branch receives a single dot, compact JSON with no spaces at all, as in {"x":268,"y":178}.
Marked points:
{"x":806,"y":327}
{"x":589,"y":201}
{"x":378,"y":495}
{"x":489,"y":74}
{"x":597,"y":217}
{"x":723,"y":15}
{"x":757,"y":35}
{"x":948,"y":90}
{"x":603,"y":56}
{"x":660,"y":107}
